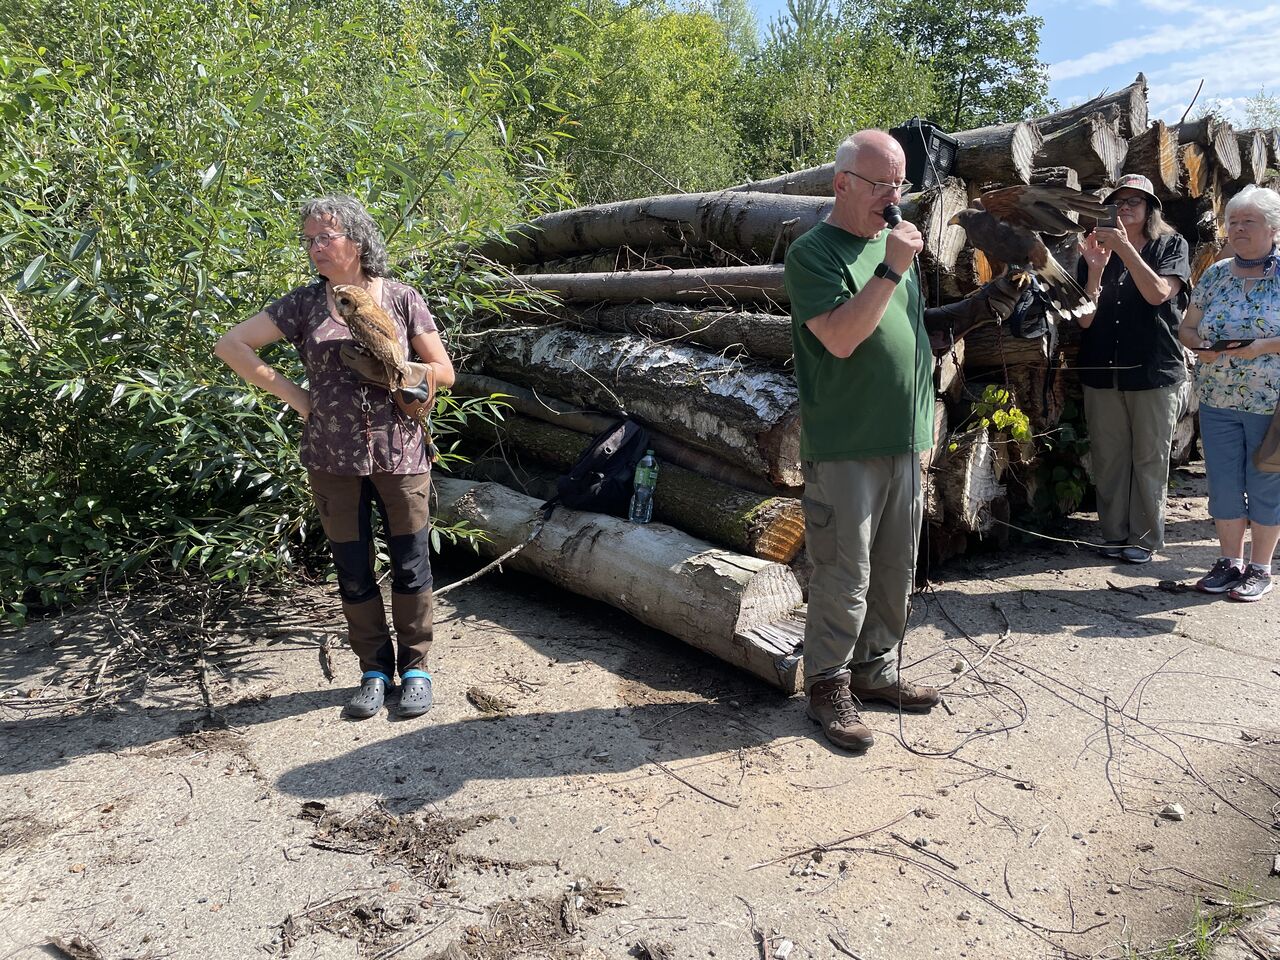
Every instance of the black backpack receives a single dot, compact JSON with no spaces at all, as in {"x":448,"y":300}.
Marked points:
{"x":603,"y":477}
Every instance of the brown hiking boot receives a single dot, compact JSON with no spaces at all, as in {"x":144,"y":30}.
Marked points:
{"x":902,"y":694}
{"x":831,"y":706}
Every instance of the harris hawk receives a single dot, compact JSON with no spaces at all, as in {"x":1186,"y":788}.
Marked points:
{"x":1005,"y":225}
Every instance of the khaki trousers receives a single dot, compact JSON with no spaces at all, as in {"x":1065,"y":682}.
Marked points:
{"x":1130,"y":434}
{"x":862,"y":530}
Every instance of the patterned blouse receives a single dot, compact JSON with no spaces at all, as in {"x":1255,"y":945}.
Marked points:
{"x":354,"y":429}
{"x":1234,"y":383}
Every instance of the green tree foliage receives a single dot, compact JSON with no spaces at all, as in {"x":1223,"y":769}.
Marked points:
{"x":153,"y":156}
{"x":984,"y":56}
{"x":644,"y":92}
{"x":818,"y":78}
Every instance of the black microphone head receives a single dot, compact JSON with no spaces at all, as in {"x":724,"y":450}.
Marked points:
{"x":892,"y":215}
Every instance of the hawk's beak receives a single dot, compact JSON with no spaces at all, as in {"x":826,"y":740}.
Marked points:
{"x":954,"y":221}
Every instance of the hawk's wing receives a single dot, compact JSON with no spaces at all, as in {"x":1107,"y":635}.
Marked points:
{"x":1042,"y":207}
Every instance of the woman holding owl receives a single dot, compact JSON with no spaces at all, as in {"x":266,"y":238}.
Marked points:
{"x":362,"y":444}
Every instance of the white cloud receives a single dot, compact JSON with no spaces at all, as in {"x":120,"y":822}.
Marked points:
{"x":1233,"y":70}
{"x":1211,"y":31}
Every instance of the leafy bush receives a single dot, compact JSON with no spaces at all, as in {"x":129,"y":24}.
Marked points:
{"x":153,"y":154}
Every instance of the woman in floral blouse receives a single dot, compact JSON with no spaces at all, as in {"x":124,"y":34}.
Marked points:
{"x":361,"y":444}
{"x":1238,"y":386}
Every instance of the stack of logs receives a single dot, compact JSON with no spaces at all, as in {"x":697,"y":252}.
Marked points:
{"x":672,"y":310}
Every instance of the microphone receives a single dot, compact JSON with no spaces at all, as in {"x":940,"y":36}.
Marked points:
{"x":892,"y":215}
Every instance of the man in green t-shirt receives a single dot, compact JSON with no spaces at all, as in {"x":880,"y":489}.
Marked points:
{"x":865,"y":375}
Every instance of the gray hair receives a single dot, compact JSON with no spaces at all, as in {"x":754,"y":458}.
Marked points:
{"x":1263,"y":199}
{"x":359,"y":227}
{"x":852,"y":145}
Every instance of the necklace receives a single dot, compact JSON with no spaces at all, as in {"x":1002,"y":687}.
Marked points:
{"x":1268,"y":262}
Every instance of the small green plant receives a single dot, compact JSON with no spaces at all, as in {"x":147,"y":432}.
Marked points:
{"x":996,"y":409}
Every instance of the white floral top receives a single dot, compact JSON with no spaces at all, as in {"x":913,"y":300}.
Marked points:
{"x":1234,"y":383}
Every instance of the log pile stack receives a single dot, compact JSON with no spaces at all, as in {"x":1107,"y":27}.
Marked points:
{"x":672,"y":310}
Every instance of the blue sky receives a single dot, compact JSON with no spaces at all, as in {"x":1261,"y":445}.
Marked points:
{"x":1096,"y":45}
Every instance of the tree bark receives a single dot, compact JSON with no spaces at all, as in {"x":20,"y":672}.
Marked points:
{"x":763,"y":335}
{"x":943,"y":272}
{"x":738,"y":608}
{"x":999,"y":155}
{"x":1253,"y":159}
{"x":1217,"y":138}
{"x":1092,"y":146}
{"x":768,"y":527}
{"x":1154,"y":154}
{"x":966,"y":479}
{"x":556,"y":412}
{"x":1271,"y":137}
{"x":746,"y":415}
{"x":1193,"y":170}
{"x":1206,"y":254}
{"x":811,"y":182}
{"x":727,"y":285}
{"x":1057,"y":176}
{"x":758,"y":223}
{"x":1127,"y":106}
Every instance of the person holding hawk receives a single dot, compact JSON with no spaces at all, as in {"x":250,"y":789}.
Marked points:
{"x":865,"y":376}
{"x":363,"y":442}
{"x":1131,"y":365}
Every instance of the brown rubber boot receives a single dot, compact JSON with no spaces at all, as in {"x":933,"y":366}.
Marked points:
{"x":904,"y":695}
{"x":411,"y":614}
{"x":831,"y":706}
{"x":369,"y":635}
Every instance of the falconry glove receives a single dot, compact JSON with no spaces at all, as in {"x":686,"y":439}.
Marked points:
{"x":415,"y":394}
{"x":992,"y":303}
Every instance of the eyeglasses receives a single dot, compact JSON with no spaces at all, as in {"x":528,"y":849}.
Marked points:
{"x":879,"y":189}
{"x":1130,"y":202}
{"x":320,"y":240}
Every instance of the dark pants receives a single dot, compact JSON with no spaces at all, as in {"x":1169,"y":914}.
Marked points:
{"x":346,"y":507}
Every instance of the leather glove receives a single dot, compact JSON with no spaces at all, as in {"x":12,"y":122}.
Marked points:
{"x":991,"y":304}
{"x":418,"y":391}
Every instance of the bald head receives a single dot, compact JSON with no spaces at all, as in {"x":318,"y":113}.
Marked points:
{"x":864,"y":144}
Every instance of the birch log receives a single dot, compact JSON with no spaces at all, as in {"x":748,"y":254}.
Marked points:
{"x":561,"y":414}
{"x":738,"y":608}
{"x":726,"y":285}
{"x":757,"y":223}
{"x":967,"y":481}
{"x":770,"y":527}
{"x":763,"y":335}
{"x":747,"y":415}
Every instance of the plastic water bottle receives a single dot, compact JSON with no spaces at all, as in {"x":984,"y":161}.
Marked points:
{"x":642,"y":499}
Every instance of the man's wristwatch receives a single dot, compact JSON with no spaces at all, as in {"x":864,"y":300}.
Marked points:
{"x":886,"y":271}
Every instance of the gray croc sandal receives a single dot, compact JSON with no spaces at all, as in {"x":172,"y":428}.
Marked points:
{"x":368,"y":699}
{"x":415,"y":694}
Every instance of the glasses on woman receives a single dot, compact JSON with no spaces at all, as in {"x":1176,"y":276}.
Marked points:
{"x":879,"y":189}
{"x":320,"y":240}
{"x":1130,"y":202}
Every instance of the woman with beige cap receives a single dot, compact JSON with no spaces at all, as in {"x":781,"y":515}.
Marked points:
{"x":1132,"y":366}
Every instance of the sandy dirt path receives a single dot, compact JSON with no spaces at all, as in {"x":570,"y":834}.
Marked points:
{"x":631,"y":795}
